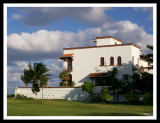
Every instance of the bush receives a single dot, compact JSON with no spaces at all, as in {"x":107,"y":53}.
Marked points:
{"x":19,"y":96}
{"x":72,"y":84}
{"x":105,"y":96}
{"x":88,"y":87}
{"x":148,"y":98}
{"x":131,"y":97}
{"x":10,"y":95}
{"x":29,"y":99}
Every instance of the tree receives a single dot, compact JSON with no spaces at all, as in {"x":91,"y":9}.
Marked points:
{"x":115,"y":83}
{"x":64,"y":76}
{"x":37,"y":76}
{"x":133,"y":84}
{"x":150,"y":55}
{"x":88,"y":87}
{"x":105,"y":96}
{"x":146,"y":82}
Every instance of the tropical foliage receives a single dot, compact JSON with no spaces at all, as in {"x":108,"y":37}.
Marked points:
{"x":37,"y":75}
{"x":65,"y":77}
{"x":88,"y":87}
{"x":116,"y":83}
{"x":105,"y":95}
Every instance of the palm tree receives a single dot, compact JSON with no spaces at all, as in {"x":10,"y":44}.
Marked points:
{"x":26,"y":78}
{"x":64,"y":76}
{"x":115,"y":83}
{"x":38,"y":76}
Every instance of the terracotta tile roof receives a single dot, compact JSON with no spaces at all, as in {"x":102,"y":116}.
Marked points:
{"x":66,"y":55}
{"x":97,"y":74}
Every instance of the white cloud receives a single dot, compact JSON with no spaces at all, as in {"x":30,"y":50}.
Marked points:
{"x":47,"y":41}
{"x":14,"y":72}
{"x":129,"y":32}
{"x":44,"y":41}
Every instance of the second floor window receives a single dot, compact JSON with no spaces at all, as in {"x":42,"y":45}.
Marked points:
{"x":111,"y":61}
{"x":69,"y":64}
{"x":119,"y":60}
{"x":102,"y":61}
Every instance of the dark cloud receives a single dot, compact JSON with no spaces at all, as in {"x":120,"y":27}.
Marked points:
{"x":14,"y":55}
{"x":41,"y":16}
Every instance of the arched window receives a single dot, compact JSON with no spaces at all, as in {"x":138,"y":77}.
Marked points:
{"x":119,"y":60}
{"x":111,"y":61}
{"x":102,"y":61}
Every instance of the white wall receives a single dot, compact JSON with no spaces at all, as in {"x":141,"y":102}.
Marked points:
{"x":106,"y":41}
{"x":86,"y":61}
{"x":143,"y":63}
{"x":73,"y":94}
{"x":148,"y":71}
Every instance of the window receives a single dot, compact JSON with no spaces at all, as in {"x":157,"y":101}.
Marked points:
{"x":69,"y":64}
{"x":101,"y":82}
{"x":111,"y":61}
{"x":102,"y":61}
{"x":119,"y":60}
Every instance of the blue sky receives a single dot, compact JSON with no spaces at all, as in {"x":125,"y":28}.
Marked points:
{"x":40,"y":34}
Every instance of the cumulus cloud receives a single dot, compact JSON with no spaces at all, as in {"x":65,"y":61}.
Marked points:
{"x":41,"y":16}
{"x":14,"y":72}
{"x":48,"y":41}
{"x":129,"y":32}
{"x":43,"y":42}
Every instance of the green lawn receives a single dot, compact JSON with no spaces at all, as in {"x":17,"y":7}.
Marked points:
{"x":16,"y":107}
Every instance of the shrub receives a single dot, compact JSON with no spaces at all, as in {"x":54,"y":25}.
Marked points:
{"x":19,"y":96}
{"x":105,"y":96}
{"x":88,"y":87}
{"x":10,"y":95}
{"x":131,"y":97}
{"x":148,"y":98}
{"x":29,"y":99}
{"x":72,"y":84}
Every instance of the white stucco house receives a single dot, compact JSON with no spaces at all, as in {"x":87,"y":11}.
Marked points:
{"x":92,"y":63}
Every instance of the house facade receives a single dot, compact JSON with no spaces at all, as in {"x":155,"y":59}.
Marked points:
{"x":92,"y":63}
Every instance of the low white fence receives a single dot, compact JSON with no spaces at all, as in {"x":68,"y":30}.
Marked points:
{"x":66,"y":93}
{"x":73,"y":94}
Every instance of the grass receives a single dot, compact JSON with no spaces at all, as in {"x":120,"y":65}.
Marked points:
{"x":17,"y":107}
